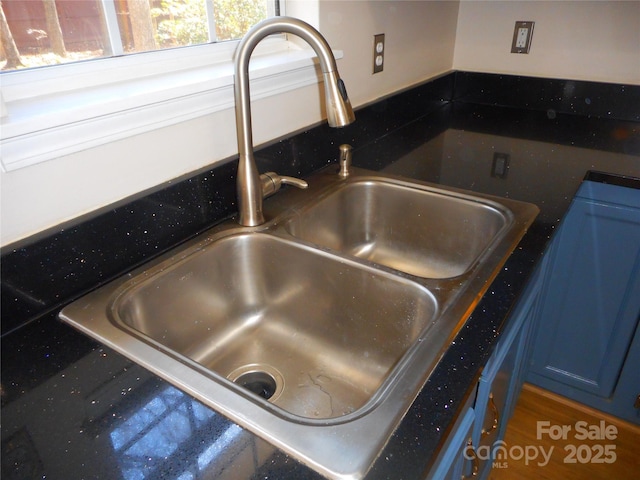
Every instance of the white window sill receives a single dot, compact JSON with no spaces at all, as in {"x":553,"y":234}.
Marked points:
{"x":45,"y":126}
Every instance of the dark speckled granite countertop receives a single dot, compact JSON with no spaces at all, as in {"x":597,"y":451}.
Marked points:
{"x":72,"y":408}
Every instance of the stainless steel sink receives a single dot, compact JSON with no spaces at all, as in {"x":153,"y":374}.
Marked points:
{"x":318,"y":329}
{"x":310,"y":332}
{"x":424,"y":232}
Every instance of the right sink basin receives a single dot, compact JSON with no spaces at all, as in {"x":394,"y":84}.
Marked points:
{"x":422,"y":231}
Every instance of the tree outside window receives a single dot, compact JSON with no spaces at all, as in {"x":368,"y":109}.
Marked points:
{"x":48,"y":32}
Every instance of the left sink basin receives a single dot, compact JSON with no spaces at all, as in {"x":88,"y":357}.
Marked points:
{"x":305,"y":330}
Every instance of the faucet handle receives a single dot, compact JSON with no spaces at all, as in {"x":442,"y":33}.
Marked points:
{"x":271,"y":183}
{"x":296,"y":182}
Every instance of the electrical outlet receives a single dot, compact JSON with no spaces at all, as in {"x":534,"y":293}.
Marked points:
{"x":378,"y":53}
{"x":522,"y":34}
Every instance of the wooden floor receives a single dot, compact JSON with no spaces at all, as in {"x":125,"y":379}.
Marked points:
{"x":537,"y":405}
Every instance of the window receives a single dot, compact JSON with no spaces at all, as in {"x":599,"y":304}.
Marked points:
{"x":47,"y":113}
{"x":50,"y":32}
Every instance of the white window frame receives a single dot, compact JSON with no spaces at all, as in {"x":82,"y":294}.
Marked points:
{"x":51,"y":112}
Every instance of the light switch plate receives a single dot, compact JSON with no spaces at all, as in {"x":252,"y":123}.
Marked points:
{"x":522,"y":34}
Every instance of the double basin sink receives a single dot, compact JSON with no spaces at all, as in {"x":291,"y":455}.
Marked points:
{"x":317,"y":329}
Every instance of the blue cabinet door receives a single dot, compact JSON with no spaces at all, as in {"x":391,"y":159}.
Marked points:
{"x":590,"y":304}
{"x":626,"y":401}
{"x":501,"y":380}
{"x":457,"y":457}
{"x":469,"y":450}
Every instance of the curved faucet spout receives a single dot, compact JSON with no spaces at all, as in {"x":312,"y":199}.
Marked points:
{"x":339,"y":111}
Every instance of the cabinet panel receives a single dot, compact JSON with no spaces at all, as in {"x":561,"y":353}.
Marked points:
{"x":626,"y":402}
{"x":463,"y":464}
{"x":452,"y":462}
{"x":501,"y":380}
{"x":468,"y":453}
{"x":592,"y":297}
{"x":584,"y":345}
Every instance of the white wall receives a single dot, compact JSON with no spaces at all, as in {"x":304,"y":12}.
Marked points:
{"x":420,"y":39}
{"x":419,"y":42}
{"x":577,"y":40}
{"x":586,"y":40}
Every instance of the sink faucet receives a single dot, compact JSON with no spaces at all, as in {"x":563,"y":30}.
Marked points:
{"x":339,"y":111}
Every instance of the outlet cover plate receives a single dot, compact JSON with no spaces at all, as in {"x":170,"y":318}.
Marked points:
{"x":378,"y":53}
{"x":522,"y":34}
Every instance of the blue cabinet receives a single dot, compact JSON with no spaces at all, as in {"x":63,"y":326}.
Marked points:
{"x":585,"y":336}
{"x":575,"y":330}
{"x":470,"y":449}
{"x":456,"y":459}
{"x":501,"y":380}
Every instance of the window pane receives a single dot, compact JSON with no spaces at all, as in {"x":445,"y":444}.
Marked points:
{"x":234,"y":18}
{"x":157,"y":24}
{"x":45,"y":32}
{"x":177,"y":23}
{"x":48,"y":32}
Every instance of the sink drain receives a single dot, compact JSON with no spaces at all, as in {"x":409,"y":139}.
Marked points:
{"x":262,"y":380}
{"x":260,"y":383}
